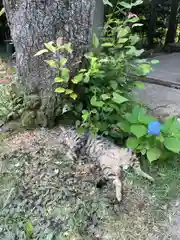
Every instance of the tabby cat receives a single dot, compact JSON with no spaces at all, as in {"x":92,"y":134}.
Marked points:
{"x":103,"y":152}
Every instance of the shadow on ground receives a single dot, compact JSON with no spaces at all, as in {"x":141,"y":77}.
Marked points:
{"x":44,"y":195}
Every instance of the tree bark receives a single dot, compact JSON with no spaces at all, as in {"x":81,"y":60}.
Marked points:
{"x":34,"y":22}
{"x":171,"y":33}
{"x":152,"y":24}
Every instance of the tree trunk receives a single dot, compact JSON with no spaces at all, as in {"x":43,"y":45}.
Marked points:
{"x":152,"y":24}
{"x":34,"y":22}
{"x":171,"y":33}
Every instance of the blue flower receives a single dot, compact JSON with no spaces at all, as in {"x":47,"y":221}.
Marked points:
{"x":154,"y":128}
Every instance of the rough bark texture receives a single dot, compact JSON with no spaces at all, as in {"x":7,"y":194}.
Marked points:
{"x":152,"y":24}
{"x":33,"y":22}
{"x":171,"y":33}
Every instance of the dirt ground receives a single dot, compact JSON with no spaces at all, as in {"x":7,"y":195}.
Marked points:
{"x":44,"y":195}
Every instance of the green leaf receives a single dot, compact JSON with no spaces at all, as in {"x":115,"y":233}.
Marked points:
{"x":2,"y":11}
{"x":138,"y":130}
{"x":65,"y":74}
{"x":105,"y":97}
{"x":134,"y":39}
{"x":124,"y":126}
{"x":60,"y":90}
{"x":78,"y":78}
{"x":137,"y":25}
{"x":50,"y":46}
{"x":95,"y":41}
{"x":59,"y":80}
{"x":153,"y":154}
{"x":68,"y":91}
{"x":138,"y":2}
{"x":63,"y":61}
{"x":107,"y":2}
{"x":145,"y":68}
{"x":117,"y":98}
{"x":29,"y":228}
{"x":123,"y":40}
{"x":114,"y":85}
{"x":132,"y":143}
{"x":125,"y":5}
{"x":73,"y":96}
{"x":134,"y":52}
{"x":146,"y":119}
{"x":41,"y":52}
{"x":122,"y":32}
{"x":85,"y":115}
{"x":51,"y":63}
{"x":154,"y":61}
{"x":107,"y":44}
{"x":96,"y":103}
{"x":139,"y":84}
{"x":172,"y":144}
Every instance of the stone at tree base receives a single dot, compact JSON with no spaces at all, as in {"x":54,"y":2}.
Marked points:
{"x":28,"y":119}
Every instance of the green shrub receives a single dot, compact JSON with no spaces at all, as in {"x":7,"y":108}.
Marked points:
{"x":107,"y":105}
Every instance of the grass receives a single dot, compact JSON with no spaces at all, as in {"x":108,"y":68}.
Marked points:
{"x":44,"y":195}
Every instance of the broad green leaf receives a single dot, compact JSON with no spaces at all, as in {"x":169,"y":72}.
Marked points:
{"x":160,"y":138}
{"x":108,"y":44}
{"x":124,"y":126}
{"x":122,"y":40}
{"x":131,"y":118}
{"x":172,"y":144}
{"x":138,"y":130}
{"x":137,"y":25}
{"x":63,"y":61}
{"x":73,"y":96}
{"x":117,"y":98}
{"x":134,"y":52}
{"x":60,"y":90}
{"x":154,"y":61}
{"x":96,"y":103}
{"x":132,"y":143}
{"x":134,"y":39}
{"x":114,"y":85}
{"x":107,"y":2}
{"x":125,"y":5}
{"x":146,"y":119}
{"x":68,"y":91}
{"x":139,"y":84}
{"x":171,"y":126}
{"x":68,"y":47}
{"x":41,"y":52}
{"x":85,"y":115}
{"x":105,"y":96}
{"x":65,"y":74}
{"x":122,"y":32}
{"x":50,"y":46}
{"x":78,"y":78}
{"x":59,"y":80}
{"x":133,"y":19}
{"x":145,"y":68}
{"x":51,"y":63}
{"x":95,"y":41}
{"x":153,"y":154}
{"x":138,"y":2}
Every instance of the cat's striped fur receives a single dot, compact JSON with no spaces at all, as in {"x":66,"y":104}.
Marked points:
{"x":102,"y":152}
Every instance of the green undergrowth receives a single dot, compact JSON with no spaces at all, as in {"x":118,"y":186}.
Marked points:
{"x":44,"y":195}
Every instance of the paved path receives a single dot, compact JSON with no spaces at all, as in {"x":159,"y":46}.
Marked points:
{"x":168,"y":70}
{"x":163,"y":100}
